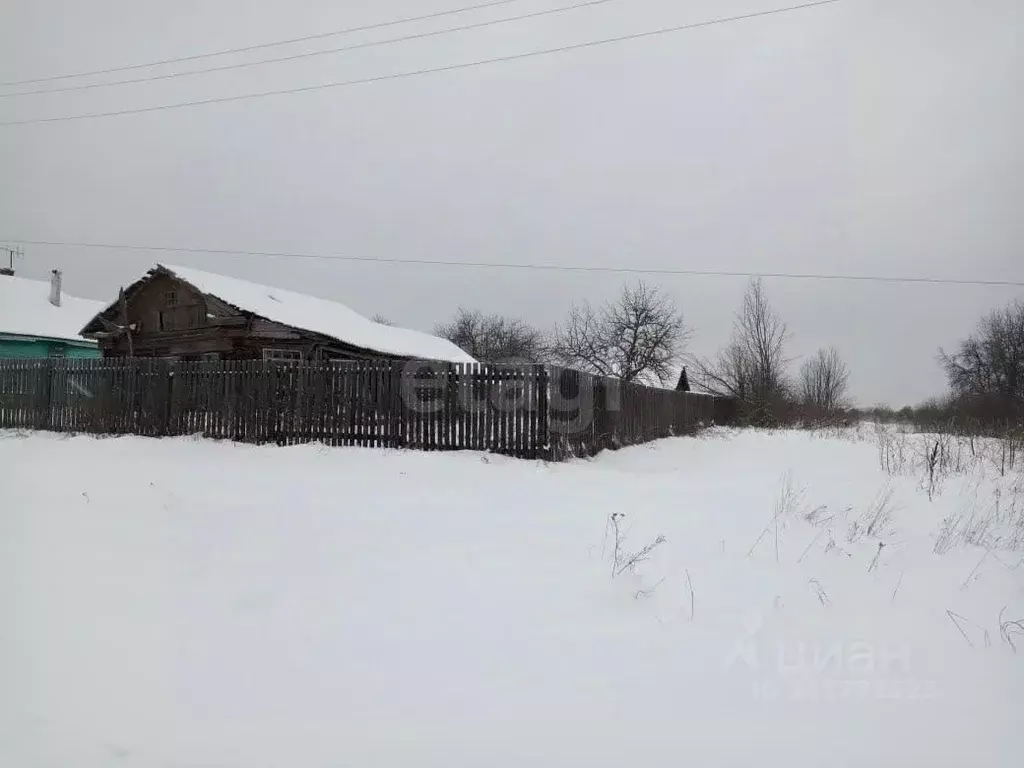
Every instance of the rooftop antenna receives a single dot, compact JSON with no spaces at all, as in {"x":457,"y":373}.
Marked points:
{"x":11,"y":254}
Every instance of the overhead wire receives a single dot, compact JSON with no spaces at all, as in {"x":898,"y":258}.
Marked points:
{"x":534,"y":266}
{"x":312,"y":54}
{"x":261,"y":46}
{"x":428,"y":71}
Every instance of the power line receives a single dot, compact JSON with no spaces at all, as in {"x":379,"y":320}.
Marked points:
{"x":260,"y":46}
{"x":421,"y":72}
{"x":527,"y":266}
{"x":311,"y":54}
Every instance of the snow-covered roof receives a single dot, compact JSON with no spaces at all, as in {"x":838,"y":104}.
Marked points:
{"x":328,"y":318}
{"x":25,"y":310}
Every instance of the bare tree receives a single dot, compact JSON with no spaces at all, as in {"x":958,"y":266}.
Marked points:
{"x":824,"y":379}
{"x":990,"y":362}
{"x":752,"y":367}
{"x":986,"y":374}
{"x":637,"y":337}
{"x":495,"y":339}
{"x":381,"y":319}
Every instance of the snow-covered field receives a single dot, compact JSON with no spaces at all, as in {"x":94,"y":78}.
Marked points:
{"x":182,"y":603}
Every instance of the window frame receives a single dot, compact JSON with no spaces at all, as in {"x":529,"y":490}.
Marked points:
{"x":281,"y":355}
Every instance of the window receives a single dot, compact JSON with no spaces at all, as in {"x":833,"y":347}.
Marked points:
{"x":282,"y":355}
{"x":57,"y":351}
{"x":171,"y":298}
{"x":181,"y":318}
{"x":167,"y":320}
{"x":211,"y":357}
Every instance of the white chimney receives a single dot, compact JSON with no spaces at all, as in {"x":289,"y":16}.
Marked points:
{"x":55,"y":280}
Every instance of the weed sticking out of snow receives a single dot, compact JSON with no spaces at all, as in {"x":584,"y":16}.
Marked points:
{"x":993,"y":524}
{"x":1010,"y":630}
{"x":876,"y":519}
{"x":820,"y":593}
{"x":961,"y":623}
{"x":990,"y":511}
{"x":787,"y":505}
{"x":622,"y":559}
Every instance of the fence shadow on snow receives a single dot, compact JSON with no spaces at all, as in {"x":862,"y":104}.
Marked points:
{"x":531,"y":411}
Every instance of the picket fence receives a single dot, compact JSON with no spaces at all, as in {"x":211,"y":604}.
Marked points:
{"x":532,"y":411}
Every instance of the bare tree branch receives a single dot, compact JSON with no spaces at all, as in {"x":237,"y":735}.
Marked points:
{"x":637,"y":337}
{"x":495,"y":339}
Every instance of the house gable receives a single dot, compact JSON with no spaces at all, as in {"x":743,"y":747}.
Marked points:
{"x":165,"y":304}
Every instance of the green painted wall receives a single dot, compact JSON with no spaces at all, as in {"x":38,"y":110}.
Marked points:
{"x":29,"y":348}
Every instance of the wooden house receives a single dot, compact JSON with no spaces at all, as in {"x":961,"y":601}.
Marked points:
{"x":187,"y":314}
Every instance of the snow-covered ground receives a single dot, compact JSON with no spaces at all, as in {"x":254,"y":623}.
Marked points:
{"x":182,"y":603}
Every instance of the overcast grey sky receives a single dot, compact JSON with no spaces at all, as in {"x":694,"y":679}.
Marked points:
{"x":868,"y":137}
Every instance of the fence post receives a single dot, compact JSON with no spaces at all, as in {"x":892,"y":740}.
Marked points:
{"x":44,"y":416}
{"x":281,"y":405}
{"x":602,"y":435}
{"x":544,"y":448}
{"x":607,"y":410}
{"x":168,"y":383}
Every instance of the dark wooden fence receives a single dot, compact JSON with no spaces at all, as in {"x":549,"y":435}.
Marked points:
{"x":526,"y":411}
